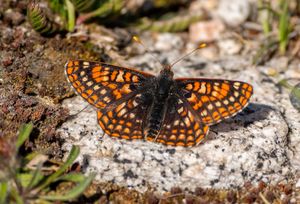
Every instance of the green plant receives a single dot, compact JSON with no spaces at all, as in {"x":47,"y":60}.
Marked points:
{"x":294,"y":92}
{"x":20,"y":183}
{"x":281,"y":14}
{"x":40,"y":22}
{"x":284,"y":26}
{"x":265,"y":15}
{"x":73,"y":12}
{"x":174,"y":23}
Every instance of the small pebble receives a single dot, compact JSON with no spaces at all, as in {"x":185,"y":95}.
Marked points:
{"x":234,"y":12}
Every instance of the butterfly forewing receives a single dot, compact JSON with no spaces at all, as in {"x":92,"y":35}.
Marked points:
{"x":180,"y":127}
{"x":103,"y":85}
{"x":214,"y":100}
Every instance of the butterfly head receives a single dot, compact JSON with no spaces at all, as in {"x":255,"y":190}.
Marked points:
{"x":166,"y":71}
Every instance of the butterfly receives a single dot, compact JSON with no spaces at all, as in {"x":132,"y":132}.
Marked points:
{"x":133,"y":104}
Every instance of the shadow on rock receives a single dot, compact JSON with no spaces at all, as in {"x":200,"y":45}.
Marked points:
{"x":252,"y":113}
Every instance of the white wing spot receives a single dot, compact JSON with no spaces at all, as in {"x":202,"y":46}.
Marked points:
{"x":204,"y":113}
{"x":187,"y":121}
{"x":90,"y":83}
{"x":131,"y":115}
{"x":103,"y":91}
{"x":218,"y":104}
{"x":210,"y":106}
{"x":214,"y":93}
{"x":180,"y":110}
{"x":236,"y":94}
{"x":106,"y":99}
{"x":96,"y":87}
{"x":135,"y":103}
{"x":122,"y":112}
{"x":203,"y":88}
{"x":236,"y":85}
{"x":120,"y":77}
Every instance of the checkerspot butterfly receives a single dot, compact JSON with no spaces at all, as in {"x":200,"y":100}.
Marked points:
{"x":136,"y":105}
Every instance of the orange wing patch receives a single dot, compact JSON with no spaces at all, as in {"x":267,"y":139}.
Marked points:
{"x":180,"y":127}
{"x":215,"y":100}
{"x":102,"y":84}
{"x":124,"y":121}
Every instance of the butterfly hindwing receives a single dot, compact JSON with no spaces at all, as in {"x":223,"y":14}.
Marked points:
{"x":213,"y":99}
{"x":102,"y":84}
{"x":125,"y":120}
{"x":180,"y":127}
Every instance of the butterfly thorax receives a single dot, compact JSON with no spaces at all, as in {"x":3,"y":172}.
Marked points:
{"x":163,"y":86}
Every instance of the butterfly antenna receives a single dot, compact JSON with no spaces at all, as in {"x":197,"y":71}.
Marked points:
{"x":138,"y":40}
{"x":200,"y":46}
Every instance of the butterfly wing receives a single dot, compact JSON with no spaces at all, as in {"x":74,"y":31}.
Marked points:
{"x":213,"y":100}
{"x":102,"y":85}
{"x":125,"y":120}
{"x":180,"y":127}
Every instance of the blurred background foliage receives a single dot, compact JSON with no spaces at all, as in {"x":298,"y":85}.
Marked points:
{"x":149,"y":15}
{"x":158,"y":15}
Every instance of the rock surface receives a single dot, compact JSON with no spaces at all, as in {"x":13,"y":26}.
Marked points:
{"x":260,"y":144}
{"x":234,"y":12}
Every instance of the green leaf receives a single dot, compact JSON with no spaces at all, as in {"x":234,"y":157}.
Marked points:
{"x":107,"y":7}
{"x":30,"y":157}
{"x":40,"y":21}
{"x":175,"y":24}
{"x":295,"y":97}
{"x":36,"y":177}
{"x":283,"y":26}
{"x":31,"y":178}
{"x":71,"y":158}
{"x":3,"y":192}
{"x":84,"y":6}
{"x":74,"y":177}
{"x":16,"y":196}
{"x":71,"y":15}
{"x":285,"y":83}
{"x":73,"y":193}
{"x":24,"y":133}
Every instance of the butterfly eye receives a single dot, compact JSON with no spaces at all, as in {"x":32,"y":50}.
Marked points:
{"x":187,"y":95}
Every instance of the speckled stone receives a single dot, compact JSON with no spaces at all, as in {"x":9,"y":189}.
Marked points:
{"x":259,"y":144}
{"x":236,"y":150}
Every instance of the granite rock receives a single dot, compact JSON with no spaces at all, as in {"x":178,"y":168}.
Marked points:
{"x":259,"y":144}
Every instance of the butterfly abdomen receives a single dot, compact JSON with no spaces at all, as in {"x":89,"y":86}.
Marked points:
{"x":155,"y":119}
{"x":158,"y":109}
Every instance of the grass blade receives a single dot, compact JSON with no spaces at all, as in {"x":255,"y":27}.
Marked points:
{"x":24,"y":133}
{"x":3,"y":192}
{"x":74,"y":177}
{"x":16,"y":196}
{"x":36,"y":177}
{"x":71,"y":158}
{"x":73,"y":193}
{"x":283,"y":26}
{"x":71,"y":15}
{"x":295,"y":97}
